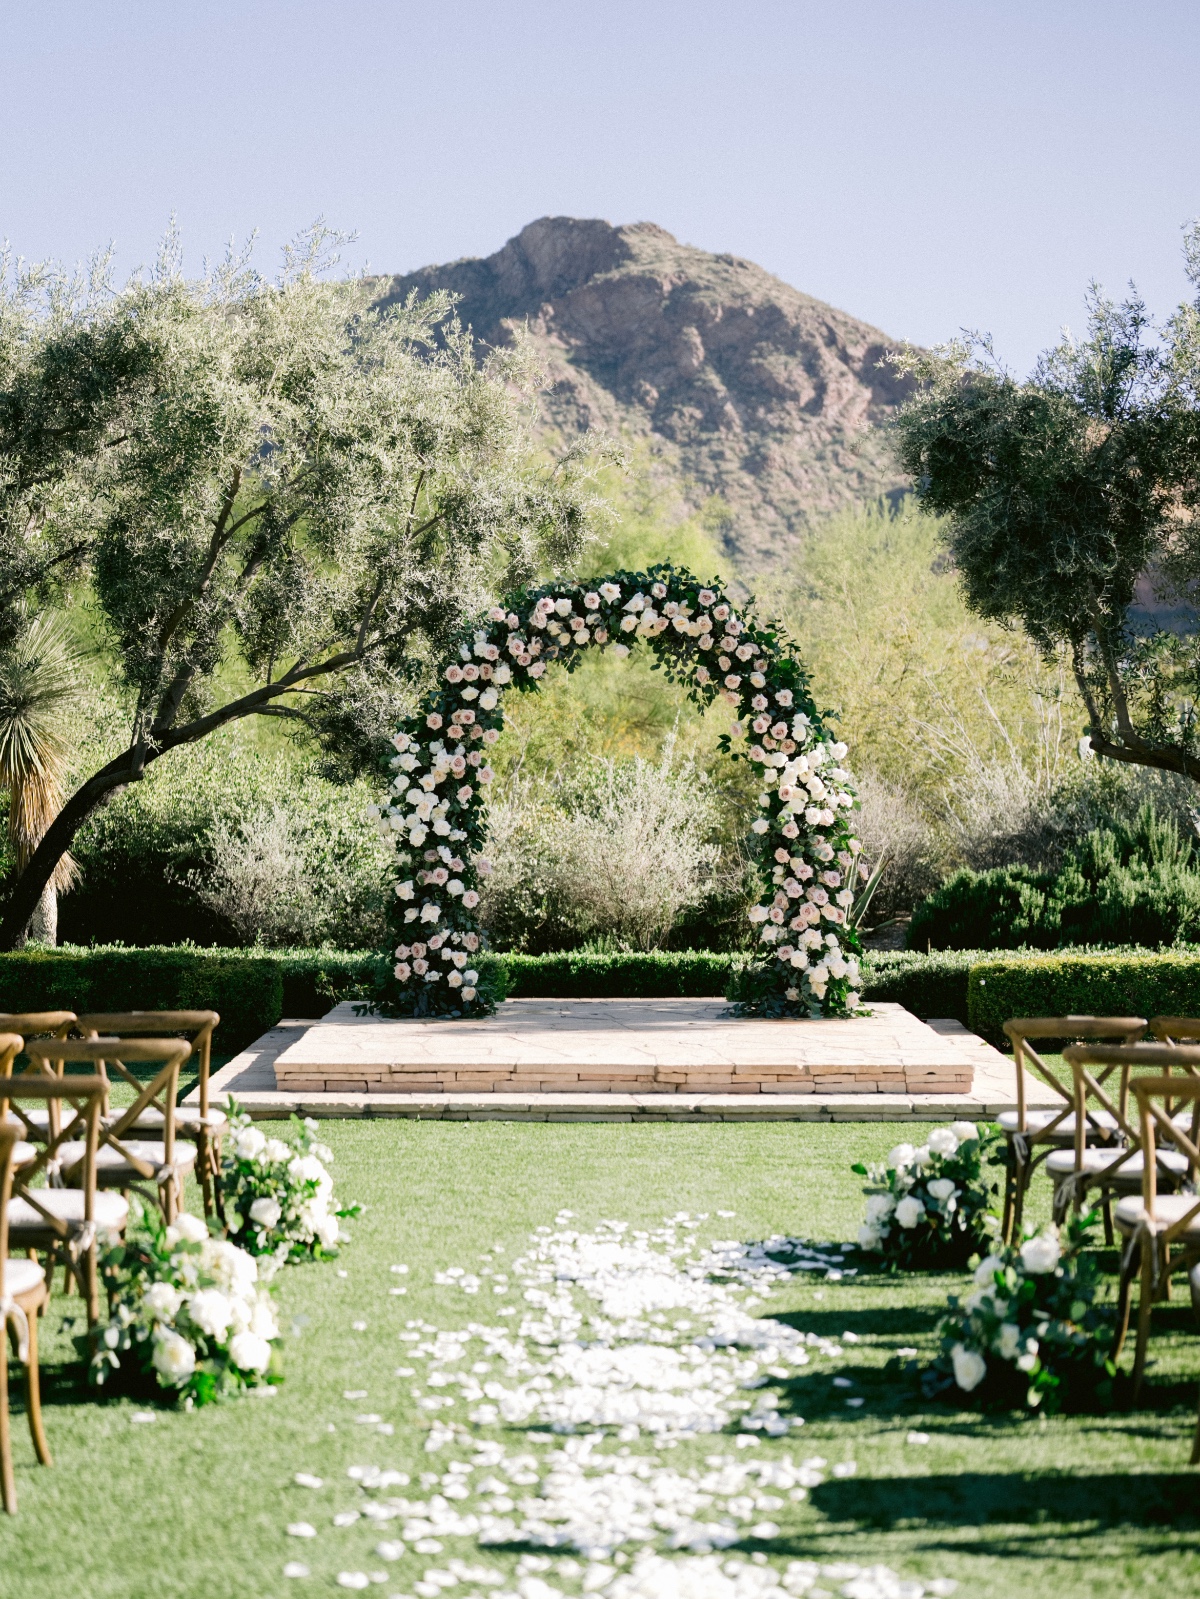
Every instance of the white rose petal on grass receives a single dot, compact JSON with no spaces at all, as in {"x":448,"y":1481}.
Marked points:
{"x":347,"y":1518}
{"x":301,"y":1529}
{"x":142,"y":1418}
{"x":305,"y":1479}
{"x":391,"y":1549}
{"x":295,"y":1568}
{"x":358,"y":1326}
{"x":917,"y":1438}
{"x":353,"y":1579}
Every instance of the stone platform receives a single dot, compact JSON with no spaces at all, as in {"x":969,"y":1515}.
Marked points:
{"x":621,"y":1060}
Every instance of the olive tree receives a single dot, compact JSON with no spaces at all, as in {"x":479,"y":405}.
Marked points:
{"x":1070,"y":502}
{"x":279,"y":498}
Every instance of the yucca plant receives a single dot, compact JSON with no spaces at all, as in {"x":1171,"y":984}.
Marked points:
{"x":37,"y":680}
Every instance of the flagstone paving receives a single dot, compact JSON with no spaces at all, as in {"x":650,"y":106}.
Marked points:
{"x":624,"y":1060}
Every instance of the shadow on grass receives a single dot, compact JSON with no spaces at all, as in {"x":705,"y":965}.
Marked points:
{"x":1087,"y":1504}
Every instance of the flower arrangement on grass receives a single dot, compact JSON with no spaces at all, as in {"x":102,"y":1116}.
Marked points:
{"x":930,"y":1206}
{"x":278,"y":1193}
{"x":434,"y":815}
{"x":1030,"y":1335}
{"x":186,"y":1309}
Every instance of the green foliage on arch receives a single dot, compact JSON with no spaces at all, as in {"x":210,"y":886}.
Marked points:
{"x":435,"y":811}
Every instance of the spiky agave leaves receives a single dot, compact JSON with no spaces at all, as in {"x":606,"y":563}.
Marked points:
{"x":37,"y":681}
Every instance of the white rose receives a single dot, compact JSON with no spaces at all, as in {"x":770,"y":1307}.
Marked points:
{"x":868,"y":1238}
{"x":900,"y":1156}
{"x":879,"y":1208}
{"x":265,"y":1211}
{"x":941,"y":1188}
{"x":1040,"y":1255}
{"x":1008,"y":1341}
{"x":909,"y":1211}
{"x":964,"y":1131}
{"x":174,"y":1357}
{"x":942,"y":1141}
{"x":986,"y":1270}
{"x":276,"y":1150}
{"x":249,"y":1352}
{"x":327,"y":1231}
{"x":308,"y":1169}
{"x":970,"y":1368}
{"x":1028,"y":1360}
{"x":232,"y":1267}
{"x":163,"y":1301}
{"x":212,"y":1312}
{"x":264,"y":1321}
{"x":249,"y":1143}
{"x":190,"y":1228}
{"x":920,"y":1157}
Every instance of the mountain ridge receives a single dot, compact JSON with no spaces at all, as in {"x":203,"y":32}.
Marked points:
{"x":738,"y":385}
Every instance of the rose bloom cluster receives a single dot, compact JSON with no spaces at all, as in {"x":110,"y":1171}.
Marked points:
{"x":1030,"y":1327}
{"x":278,"y":1193}
{"x":190,"y":1307}
{"x":433,"y":815}
{"x":929,"y":1205}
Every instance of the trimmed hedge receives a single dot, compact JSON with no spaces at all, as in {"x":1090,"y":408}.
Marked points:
{"x":927,"y":985}
{"x":690,"y":974}
{"x":1094,"y":984}
{"x":252,"y":989}
{"x":246,"y":988}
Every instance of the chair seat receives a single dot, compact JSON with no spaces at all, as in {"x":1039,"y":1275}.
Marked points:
{"x":23,"y":1154}
{"x":111,"y":1211}
{"x":1035,"y":1120}
{"x":38,"y":1118}
{"x":1168,"y":1208}
{"x":22,"y":1276}
{"x":189,"y":1120}
{"x":1061,"y":1163}
{"x":111,"y":1164}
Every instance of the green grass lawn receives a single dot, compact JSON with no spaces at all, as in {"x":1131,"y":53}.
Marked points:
{"x":196,"y":1504}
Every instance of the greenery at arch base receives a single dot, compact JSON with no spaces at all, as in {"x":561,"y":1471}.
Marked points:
{"x":434,"y":814}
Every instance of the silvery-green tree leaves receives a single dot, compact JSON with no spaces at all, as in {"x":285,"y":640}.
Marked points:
{"x":277,"y":498}
{"x":1072,"y":502}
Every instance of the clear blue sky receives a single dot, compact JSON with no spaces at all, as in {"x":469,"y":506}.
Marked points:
{"x":925,"y":164}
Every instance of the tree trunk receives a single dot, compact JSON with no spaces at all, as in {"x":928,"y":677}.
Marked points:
{"x":43,"y":924}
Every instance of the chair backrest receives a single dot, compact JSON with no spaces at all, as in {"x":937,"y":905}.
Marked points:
{"x":1092,"y":1067}
{"x":83,"y":1096}
{"x":197,"y":1024}
{"x":1155,"y":1120}
{"x":1021,"y":1029}
{"x":34,"y":1024}
{"x":160,"y":1091}
{"x":8,"y":1142}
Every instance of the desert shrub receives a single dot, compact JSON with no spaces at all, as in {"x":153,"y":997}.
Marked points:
{"x":1119,"y":885}
{"x":229,"y":845}
{"x":894,"y":829}
{"x":620,"y":852}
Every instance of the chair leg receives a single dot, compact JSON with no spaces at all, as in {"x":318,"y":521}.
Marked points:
{"x":8,"y":1484}
{"x":1106,"y":1208}
{"x":1020,"y":1185}
{"x":1145,"y":1296}
{"x":1124,"y":1304}
{"x":33,"y":1396}
{"x":218,"y":1196}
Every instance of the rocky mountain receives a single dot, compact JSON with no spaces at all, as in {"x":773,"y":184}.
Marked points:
{"x":739,"y":385}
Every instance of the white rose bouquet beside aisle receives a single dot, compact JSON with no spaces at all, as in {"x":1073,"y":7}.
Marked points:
{"x":930,"y":1206}
{"x":188,"y":1310}
{"x":1030,"y":1334}
{"x":278,"y":1192}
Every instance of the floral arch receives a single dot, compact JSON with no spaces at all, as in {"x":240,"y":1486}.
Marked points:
{"x":434,"y":815}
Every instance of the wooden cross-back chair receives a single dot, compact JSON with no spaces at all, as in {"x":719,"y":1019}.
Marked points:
{"x":1163,"y":1230}
{"x":62,"y":1223}
{"x":1032,"y":1135}
{"x":201,"y":1124}
{"x":1181,"y":1030}
{"x":23,"y":1294}
{"x":1115,"y":1168}
{"x":36,"y":1024}
{"x":155,"y":1167}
